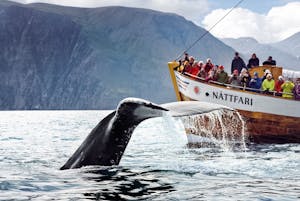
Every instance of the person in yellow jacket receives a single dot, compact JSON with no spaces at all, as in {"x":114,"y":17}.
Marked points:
{"x":287,"y":89}
{"x":268,"y":84}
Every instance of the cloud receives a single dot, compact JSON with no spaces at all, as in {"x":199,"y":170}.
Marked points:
{"x":190,"y":9}
{"x":278,"y":24}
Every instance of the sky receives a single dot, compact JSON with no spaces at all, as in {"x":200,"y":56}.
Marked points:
{"x":265,"y":20}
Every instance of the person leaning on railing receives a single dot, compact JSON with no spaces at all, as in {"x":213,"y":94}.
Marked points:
{"x":235,"y":79}
{"x":287,"y":88}
{"x":278,"y":84}
{"x":255,"y":82}
{"x":245,"y":78}
{"x":268,"y":84}
{"x":221,"y":75}
{"x":297,"y":89}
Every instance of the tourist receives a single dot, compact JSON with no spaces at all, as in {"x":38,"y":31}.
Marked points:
{"x":186,"y":57}
{"x":287,"y":88}
{"x":215,"y":69}
{"x":180,"y":66}
{"x":208,"y":66}
{"x":255,"y":82}
{"x":221,"y":75}
{"x":266,"y":72}
{"x":191,"y":60}
{"x":235,"y":79}
{"x":201,"y":73}
{"x":297,"y":89}
{"x":278,"y":84}
{"x":253,"y":62}
{"x":195,"y":69}
{"x":237,"y":63}
{"x":268,"y":84}
{"x":211,"y":76}
{"x":187,"y":67}
{"x":269,"y":62}
{"x":245,"y":78}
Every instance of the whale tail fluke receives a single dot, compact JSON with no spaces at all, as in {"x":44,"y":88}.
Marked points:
{"x":107,"y":142}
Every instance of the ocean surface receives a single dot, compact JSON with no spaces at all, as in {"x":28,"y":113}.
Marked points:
{"x":157,"y":164}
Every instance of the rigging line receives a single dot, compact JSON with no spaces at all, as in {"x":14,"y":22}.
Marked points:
{"x":205,"y":33}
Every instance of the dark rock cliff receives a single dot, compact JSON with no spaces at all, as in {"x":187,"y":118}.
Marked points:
{"x":56,"y":57}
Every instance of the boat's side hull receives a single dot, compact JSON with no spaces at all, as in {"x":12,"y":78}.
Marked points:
{"x":267,"y":119}
{"x":268,"y":128}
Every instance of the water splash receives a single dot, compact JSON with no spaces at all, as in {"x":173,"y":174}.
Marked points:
{"x":221,"y":128}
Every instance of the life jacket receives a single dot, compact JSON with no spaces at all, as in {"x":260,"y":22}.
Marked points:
{"x":287,"y":88}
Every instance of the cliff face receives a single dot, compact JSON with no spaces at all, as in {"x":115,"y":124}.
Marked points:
{"x":40,"y":56}
{"x":291,"y":46}
{"x":73,"y":58}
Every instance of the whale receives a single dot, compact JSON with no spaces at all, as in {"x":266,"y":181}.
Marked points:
{"x":106,"y":143}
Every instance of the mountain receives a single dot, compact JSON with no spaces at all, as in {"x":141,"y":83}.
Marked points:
{"x":290,"y":45}
{"x":55,"y":57}
{"x":247,"y":46}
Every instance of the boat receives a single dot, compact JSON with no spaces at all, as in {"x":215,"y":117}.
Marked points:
{"x":268,"y":118}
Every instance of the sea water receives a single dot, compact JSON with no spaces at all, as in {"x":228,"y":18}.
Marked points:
{"x":157,"y":164}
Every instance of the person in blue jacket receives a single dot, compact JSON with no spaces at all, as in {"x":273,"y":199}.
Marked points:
{"x":255,"y":82}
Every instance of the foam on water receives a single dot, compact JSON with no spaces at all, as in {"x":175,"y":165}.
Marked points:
{"x":224,"y":128}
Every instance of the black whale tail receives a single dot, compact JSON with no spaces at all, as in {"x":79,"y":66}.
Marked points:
{"x":107,"y":142}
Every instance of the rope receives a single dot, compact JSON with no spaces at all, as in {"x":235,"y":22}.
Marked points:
{"x":205,"y":33}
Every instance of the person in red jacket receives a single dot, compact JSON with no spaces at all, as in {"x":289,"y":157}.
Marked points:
{"x":278,"y":84}
{"x":195,"y":69}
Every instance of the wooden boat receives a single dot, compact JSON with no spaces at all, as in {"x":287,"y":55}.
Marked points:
{"x":268,"y":118}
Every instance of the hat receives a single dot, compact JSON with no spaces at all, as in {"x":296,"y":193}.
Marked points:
{"x":243,"y":70}
{"x":267,"y":71}
{"x":221,"y":67}
{"x":208,"y":60}
{"x":200,"y":62}
{"x":269,"y":75}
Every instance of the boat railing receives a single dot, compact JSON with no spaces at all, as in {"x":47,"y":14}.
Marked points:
{"x":274,"y":93}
